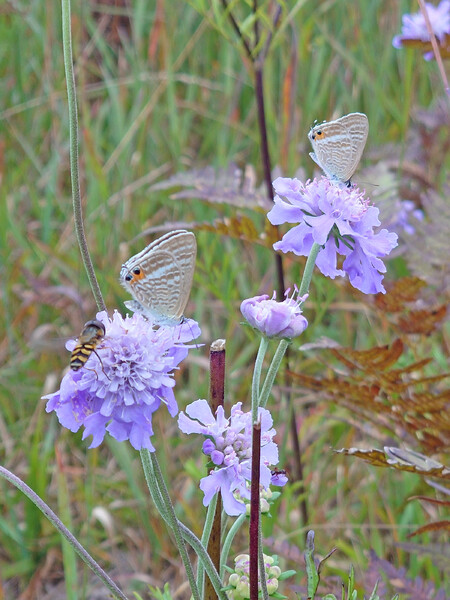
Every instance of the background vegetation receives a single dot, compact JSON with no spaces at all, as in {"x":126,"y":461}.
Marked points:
{"x":164,"y":88}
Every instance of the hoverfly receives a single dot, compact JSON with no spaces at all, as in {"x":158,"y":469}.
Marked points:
{"x":92,"y":334}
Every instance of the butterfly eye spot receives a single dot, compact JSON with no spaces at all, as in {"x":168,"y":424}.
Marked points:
{"x":128,"y":277}
{"x":136,"y":271}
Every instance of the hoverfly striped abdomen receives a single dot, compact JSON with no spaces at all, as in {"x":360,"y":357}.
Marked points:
{"x":92,"y":334}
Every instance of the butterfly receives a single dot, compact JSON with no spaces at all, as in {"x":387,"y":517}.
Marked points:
{"x":160,"y":277}
{"x":338,"y":145}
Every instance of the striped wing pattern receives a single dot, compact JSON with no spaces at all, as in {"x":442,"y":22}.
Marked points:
{"x":160,"y":277}
{"x":340,"y":148}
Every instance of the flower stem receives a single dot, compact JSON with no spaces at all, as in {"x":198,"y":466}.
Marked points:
{"x":255,"y":511}
{"x":56,"y":522}
{"x":210,"y":515}
{"x":272,"y":371}
{"x":265,"y":156}
{"x":229,"y":540}
{"x":199,"y":549}
{"x":156,"y":493}
{"x":74,"y":165}
{"x":309,"y":268}
{"x":172,"y":521}
{"x":257,"y":61}
{"x":263,"y":344}
{"x":152,"y":484}
{"x":212,"y":531}
{"x":283,"y":345}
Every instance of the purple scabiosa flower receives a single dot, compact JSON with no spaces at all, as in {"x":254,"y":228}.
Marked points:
{"x":341,"y":220}
{"x":276,"y":319}
{"x":125,"y":382}
{"x":414,"y":27}
{"x":229,"y":446}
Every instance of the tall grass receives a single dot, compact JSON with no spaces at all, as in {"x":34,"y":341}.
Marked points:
{"x":167,"y":91}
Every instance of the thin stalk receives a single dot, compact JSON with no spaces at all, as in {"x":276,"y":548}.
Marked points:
{"x":263,"y":344}
{"x":255,"y":512}
{"x":152,"y":484}
{"x":57,"y":523}
{"x":272,"y":371}
{"x":217,"y":374}
{"x":282,"y":347}
{"x":266,"y":162}
{"x":261,"y":565}
{"x":262,"y":125}
{"x":212,"y":533}
{"x":435,"y":46}
{"x":309,"y":268}
{"x":200,"y":551}
{"x":187,"y":534}
{"x":263,"y":52}
{"x":297,"y":458}
{"x":210,"y":516}
{"x":258,"y":68}
{"x":174,"y":525}
{"x":297,"y":450}
{"x":74,"y":163}
{"x":229,"y":540}
{"x":237,"y":29}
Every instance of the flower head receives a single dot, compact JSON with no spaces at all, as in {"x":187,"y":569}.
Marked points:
{"x":125,"y":381}
{"x":229,"y":446}
{"x":239,"y":581}
{"x":414,"y":26}
{"x":275,"y":319}
{"x":341,"y":220}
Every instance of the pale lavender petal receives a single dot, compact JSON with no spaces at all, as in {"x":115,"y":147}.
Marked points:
{"x":298,"y":240}
{"x":282,"y":212}
{"x":201,"y":411}
{"x":321,"y":226}
{"x":362,"y":273}
{"x":326,"y":261}
{"x":230,"y":450}
{"x":287,"y":186}
{"x":272,"y":318}
{"x":127,"y":379}
{"x":341,"y":220}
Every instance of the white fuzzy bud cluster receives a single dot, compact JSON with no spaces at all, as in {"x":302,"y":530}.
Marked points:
{"x":239,"y":581}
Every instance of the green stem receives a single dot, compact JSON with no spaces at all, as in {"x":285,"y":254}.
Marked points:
{"x":203,"y":555}
{"x":272,"y":371}
{"x":153,"y":483}
{"x":257,"y":376}
{"x":282,"y":346}
{"x":309,"y":268}
{"x":173,"y":522}
{"x":57,"y":523}
{"x":229,"y":540}
{"x":210,"y":514}
{"x":74,"y":166}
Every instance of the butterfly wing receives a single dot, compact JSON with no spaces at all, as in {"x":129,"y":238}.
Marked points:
{"x":339,"y":144}
{"x":357,"y":125}
{"x":160,"y":277}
